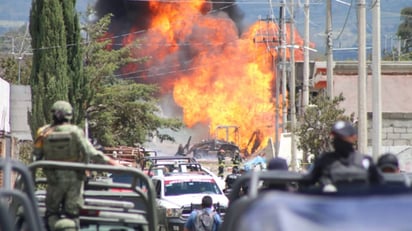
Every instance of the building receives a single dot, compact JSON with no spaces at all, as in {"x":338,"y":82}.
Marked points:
{"x":396,"y":85}
{"x":396,"y":81}
{"x":8,"y":144}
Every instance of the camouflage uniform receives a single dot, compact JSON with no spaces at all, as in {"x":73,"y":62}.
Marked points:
{"x":65,"y":225}
{"x":64,"y":186}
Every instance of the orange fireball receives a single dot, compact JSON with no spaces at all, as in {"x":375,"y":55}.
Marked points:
{"x":217,"y":77}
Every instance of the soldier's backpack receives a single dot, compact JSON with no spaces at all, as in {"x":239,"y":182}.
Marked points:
{"x":353,"y":169}
{"x":61,"y":146}
{"x":204,"y":221}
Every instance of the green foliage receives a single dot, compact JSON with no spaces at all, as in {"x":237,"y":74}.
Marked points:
{"x":15,"y":47}
{"x":405,"y":30}
{"x":10,"y":66}
{"x":25,"y":151}
{"x":48,"y":80}
{"x":127,"y":114}
{"x":314,"y":129}
{"x":101,"y":62}
{"x":25,"y":156}
{"x":120,"y":113}
{"x":78,"y":89}
{"x":404,"y":33}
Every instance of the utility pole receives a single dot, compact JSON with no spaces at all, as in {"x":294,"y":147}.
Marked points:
{"x":292,"y":86}
{"x":19,"y":58}
{"x":305,"y":90}
{"x":269,"y":40}
{"x":399,"y":49}
{"x":22,"y":51}
{"x":362,"y":118}
{"x":277,"y":111}
{"x":376,"y":84}
{"x":329,"y":50}
{"x":283,"y":62}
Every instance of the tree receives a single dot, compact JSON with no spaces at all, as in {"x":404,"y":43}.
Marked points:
{"x":130,"y":112}
{"x":48,"y":80}
{"x":120,"y":112}
{"x":127,"y":114}
{"x":78,"y":88}
{"x":405,"y":32}
{"x":314,"y":129}
{"x":100,"y":61}
{"x":15,"y":62}
{"x":10,"y":66}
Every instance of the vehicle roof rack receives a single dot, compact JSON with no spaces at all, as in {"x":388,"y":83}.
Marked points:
{"x":140,"y":188}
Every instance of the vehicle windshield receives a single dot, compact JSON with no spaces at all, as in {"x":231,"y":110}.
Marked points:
{"x":191,"y":187}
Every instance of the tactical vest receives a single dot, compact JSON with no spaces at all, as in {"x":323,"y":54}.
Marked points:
{"x":230,"y":179}
{"x":61,"y":146}
{"x":348,"y":170}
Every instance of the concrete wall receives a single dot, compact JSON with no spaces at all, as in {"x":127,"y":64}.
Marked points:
{"x":4,"y":106}
{"x":396,"y":137}
{"x":396,"y":129}
{"x":20,"y":98}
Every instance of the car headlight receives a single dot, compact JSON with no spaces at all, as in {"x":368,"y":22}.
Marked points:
{"x":173,"y":212}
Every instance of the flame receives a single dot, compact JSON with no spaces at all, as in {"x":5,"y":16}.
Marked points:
{"x":219,"y":78}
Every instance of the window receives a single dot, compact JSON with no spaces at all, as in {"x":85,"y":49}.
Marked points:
{"x":191,"y":187}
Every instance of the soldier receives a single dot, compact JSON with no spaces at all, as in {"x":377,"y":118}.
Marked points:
{"x":221,"y":161}
{"x":62,"y":141}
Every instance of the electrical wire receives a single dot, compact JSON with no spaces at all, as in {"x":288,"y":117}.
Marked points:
{"x":187,"y":44}
{"x":167,"y":73}
{"x":346,"y":20}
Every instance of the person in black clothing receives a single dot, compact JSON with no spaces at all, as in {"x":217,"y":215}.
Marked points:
{"x":388,"y":163}
{"x":231,"y":178}
{"x":278,"y":164}
{"x":344,"y":163}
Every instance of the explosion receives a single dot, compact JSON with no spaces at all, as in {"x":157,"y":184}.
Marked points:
{"x":216,"y":75}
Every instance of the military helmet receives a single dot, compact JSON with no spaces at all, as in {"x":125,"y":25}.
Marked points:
{"x":62,"y":109}
{"x":343,"y":129}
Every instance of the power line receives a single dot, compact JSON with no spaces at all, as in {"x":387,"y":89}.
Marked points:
{"x":223,"y":43}
{"x":346,"y":20}
{"x":187,"y":44}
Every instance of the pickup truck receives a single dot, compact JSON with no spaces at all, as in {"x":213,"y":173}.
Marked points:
{"x":108,"y":205}
{"x":178,"y":194}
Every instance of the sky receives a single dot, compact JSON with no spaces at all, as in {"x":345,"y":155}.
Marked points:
{"x":16,"y":12}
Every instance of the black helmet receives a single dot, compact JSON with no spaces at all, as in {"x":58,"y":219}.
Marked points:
{"x":388,"y":161}
{"x":343,"y":129}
